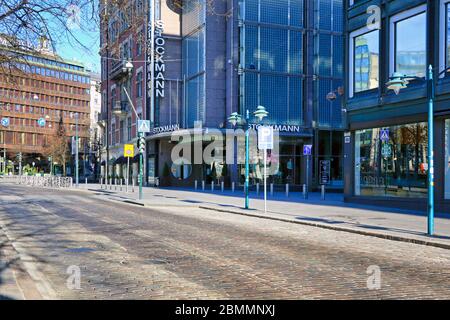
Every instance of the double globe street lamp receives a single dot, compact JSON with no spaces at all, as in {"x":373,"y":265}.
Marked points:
{"x":236,"y":119}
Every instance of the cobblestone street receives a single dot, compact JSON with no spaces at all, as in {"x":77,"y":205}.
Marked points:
{"x":129,"y":252}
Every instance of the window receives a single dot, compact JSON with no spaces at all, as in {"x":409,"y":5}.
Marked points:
{"x":122,"y":131}
{"x":408,"y":42}
{"x":396,"y":168}
{"x":129,"y":129}
{"x":139,"y":42}
{"x":139,"y":85}
{"x":113,"y":134}
{"x":364,"y":55}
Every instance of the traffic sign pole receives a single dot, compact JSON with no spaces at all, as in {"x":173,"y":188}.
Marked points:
{"x":307,"y":151}
{"x":128,"y":152}
{"x":128,"y":173}
{"x":141,"y":165}
{"x":265,"y":142}
{"x":5,"y":123}
{"x":265,"y":180}
{"x":307,"y":177}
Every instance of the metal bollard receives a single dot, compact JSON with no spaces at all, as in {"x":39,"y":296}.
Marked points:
{"x":134,"y":182}
{"x":323,"y":191}
{"x":120,"y":184}
{"x":233,"y":187}
{"x":212,"y":186}
{"x":196,"y":185}
{"x":287,"y":189}
{"x":86,"y":183}
{"x":271,"y":189}
{"x":305,"y":192}
{"x":257,"y":189}
{"x":203,"y":185}
{"x":222,"y":186}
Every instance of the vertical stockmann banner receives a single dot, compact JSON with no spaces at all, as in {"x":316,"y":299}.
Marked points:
{"x":155,"y":61}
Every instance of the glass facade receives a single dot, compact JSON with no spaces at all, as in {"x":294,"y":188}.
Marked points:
{"x":366,"y":61}
{"x":410,"y":45}
{"x":272,"y":41}
{"x":193,"y":32}
{"x":329,"y":58}
{"x":392,"y":161}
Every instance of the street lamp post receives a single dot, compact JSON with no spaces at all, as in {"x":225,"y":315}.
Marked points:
{"x":76,"y":151}
{"x":119,"y":112}
{"x":235,"y":119}
{"x":400,"y":81}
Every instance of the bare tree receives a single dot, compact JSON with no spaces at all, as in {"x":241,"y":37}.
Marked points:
{"x":57,"y":146}
{"x":25,"y":23}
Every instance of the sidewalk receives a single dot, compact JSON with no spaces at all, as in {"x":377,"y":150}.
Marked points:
{"x":333,"y":213}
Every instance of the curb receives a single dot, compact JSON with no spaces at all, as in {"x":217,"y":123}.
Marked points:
{"x":334,"y":228}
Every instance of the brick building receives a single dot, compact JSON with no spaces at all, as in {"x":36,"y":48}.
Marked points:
{"x":124,"y":40}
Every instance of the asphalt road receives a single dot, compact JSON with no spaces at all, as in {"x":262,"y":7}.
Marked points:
{"x":128,"y":252}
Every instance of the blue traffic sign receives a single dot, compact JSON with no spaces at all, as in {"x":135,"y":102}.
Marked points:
{"x":307,"y":150}
{"x":5,"y":122}
{"x":41,"y":122}
{"x":384,"y":135}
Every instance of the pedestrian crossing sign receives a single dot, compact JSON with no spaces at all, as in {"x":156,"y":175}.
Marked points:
{"x":384,"y":135}
{"x":144,"y":126}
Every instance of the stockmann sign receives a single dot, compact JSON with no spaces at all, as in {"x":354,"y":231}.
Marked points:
{"x":280,"y":128}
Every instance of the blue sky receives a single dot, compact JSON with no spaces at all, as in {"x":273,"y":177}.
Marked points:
{"x":69,"y":49}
